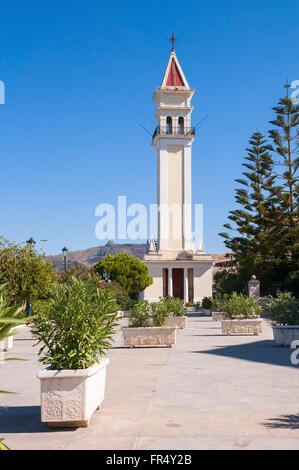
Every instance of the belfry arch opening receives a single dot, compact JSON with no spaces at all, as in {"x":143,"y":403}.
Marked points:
{"x":181,"y":123}
{"x":169,"y":125}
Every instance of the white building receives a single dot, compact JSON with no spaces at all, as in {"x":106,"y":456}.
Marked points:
{"x":177,"y":268}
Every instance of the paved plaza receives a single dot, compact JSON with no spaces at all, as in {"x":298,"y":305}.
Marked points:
{"x":208,"y":392}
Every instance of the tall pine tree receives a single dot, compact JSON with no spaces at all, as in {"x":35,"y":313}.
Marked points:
{"x":285,"y":138}
{"x":254,"y":221}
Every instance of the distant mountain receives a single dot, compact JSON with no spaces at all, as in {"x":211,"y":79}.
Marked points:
{"x":91,"y":256}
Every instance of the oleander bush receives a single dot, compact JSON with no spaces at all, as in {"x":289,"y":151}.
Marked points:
{"x":161,"y":311}
{"x":219,"y":302}
{"x":10,"y":317}
{"x":139,"y":314}
{"x":77,"y":327}
{"x":239,"y":305}
{"x":175,"y":306}
{"x":283,"y":310}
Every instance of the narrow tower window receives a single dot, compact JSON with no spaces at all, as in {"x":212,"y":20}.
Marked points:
{"x":169,"y":125}
{"x":181,"y":125}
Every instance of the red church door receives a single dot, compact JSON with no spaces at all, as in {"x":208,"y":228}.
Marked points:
{"x":178,"y":282}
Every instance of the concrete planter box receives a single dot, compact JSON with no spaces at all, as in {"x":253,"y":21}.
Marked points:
{"x":284,"y":335}
{"x":242,"y":327}
{"x":69,"y":397}
{"x":180,"y":322}
{"x":217,"y":316}
{"x":6,"y":344}
{"x":150,"y":336}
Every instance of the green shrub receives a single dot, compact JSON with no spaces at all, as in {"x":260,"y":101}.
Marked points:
{"x":139,"y":314}
{"x":206,"y":303}
{"x":130,"y":304}
{"x":219,"y":302}
{"x":241,"y":305}
{"x":161,"y":311}
{"x":284,"y":310}
{"x":175,"y":306}
{"x":122,"y":297}
{"x":77,"y":327}
{"x":190,"y":304}
{"x":10,"y":316}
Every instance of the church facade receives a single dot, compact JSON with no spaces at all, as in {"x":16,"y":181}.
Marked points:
{"x":178,"y":269}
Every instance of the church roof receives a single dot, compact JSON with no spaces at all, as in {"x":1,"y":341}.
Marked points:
{"x":174,"y":76}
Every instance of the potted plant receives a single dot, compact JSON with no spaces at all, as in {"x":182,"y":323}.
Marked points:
{"x":206,"y":306}
{"x":241,"y":315}
{"x":74,"y":334}
{"x":11,"y":316}
{"x":177,"y":312}
{"x":218,"y":306}
{"x":144,"y":330}
{"x":284,"y":317}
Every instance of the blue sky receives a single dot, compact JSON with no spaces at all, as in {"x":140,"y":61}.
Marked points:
{"x":79,"y":77}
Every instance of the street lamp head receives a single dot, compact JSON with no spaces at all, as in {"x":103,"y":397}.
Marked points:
{"x":64,"y":250}
{"x":31,"y":241}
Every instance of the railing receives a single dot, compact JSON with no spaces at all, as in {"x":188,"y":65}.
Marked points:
{"x":176,"y":131}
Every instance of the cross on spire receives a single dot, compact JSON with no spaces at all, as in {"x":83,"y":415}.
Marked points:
{"x":172,"y":39}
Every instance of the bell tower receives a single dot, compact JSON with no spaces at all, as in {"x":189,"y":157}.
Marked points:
{"x":177,"y":268}
{"x":173,"y":139}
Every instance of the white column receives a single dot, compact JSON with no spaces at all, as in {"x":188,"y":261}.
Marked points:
{"x":187,"y":208}
{"x":162,"y":197}
{"x":186,"y":290}
{"x":170,"y":287}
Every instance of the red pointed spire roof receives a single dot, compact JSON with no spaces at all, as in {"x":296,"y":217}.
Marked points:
{"x":174,"y":77}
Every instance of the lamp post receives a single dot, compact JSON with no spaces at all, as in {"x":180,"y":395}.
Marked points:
{"x":64,"y":251}
{"x":31,"y":243}
{"x":44,"y":246}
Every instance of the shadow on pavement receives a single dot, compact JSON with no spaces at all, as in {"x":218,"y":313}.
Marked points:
{"x":257,"y":351}
{"x":24,"y":419}
{"x":284,"y":421}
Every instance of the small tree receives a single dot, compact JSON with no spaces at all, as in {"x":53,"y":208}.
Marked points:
{"x":227,"y":282}
{"x":26,"y":273}
{"x":130,"y":273}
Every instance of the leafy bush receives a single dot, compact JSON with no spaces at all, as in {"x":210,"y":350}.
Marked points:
{"x":190,"y":304}
{"x":161,"y":311}
{"x":219,"y":302}
{"x":284,"y":310}
{"x":77,"y":327}
{"x":241,"y":305}
{"x":122,"y":297}
{"x":175,"y":306}
{"x":10,"y":316}
{"x":139,"y":314}
{"x":227,"y":282}
{"x":206,"y":303}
